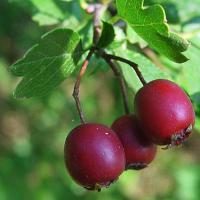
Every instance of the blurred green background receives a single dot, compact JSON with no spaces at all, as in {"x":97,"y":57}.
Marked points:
{"x":33,"y":131}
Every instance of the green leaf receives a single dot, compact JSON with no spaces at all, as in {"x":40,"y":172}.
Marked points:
{"x":45,"y":20}
{"x":134,"y":38}
{"x":188,"y":76}
{"x":150,"y":23}
{"x":48,"y":12}
{"x":107,"y":36}
{"x":51,"y":12}
{"x":86,"y":34}
{"x":48,"y":63}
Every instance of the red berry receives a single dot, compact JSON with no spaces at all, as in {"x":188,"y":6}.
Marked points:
{"x":94,"y":156}
{"x":139,"y":151}
{"x":165,"y":112}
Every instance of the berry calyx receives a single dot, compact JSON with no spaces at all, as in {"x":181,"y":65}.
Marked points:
{"x":165,"y":112}
{"x":139,"y":152}
{"x":94,"y":156}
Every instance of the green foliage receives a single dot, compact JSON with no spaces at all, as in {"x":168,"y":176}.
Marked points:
{"x":48,"y":12}
{"x":107,"y":35}
{"x":150,"y":24}
{"x":47,"y":64}
{"x":33,"y":131}
{"x":47,"y":61}
{"x":133,"y":37}
{"x":51,"y":12}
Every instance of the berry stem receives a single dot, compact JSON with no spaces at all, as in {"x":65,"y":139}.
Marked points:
{"x":77,"y":85}
{"x":98,"y":8}
{"x":121,"y":82}
{"x":132,"y":64}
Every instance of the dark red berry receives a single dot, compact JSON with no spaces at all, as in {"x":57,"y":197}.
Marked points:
{"x":94,"y":156}
{"x":165,"y":112}
{"x":139,"y":152}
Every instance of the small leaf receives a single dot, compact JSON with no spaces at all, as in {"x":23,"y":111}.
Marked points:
{"x":150,"y":23}
{"x":107,"y":36}
{"x":48,"y":63}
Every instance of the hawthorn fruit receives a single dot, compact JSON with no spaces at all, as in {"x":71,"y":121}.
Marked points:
{"x":165,"y":112}
{"x":94,"y":156}
{"x":139,"y":151}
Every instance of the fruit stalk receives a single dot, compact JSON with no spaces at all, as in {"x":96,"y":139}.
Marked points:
{"x":130,"y":63}
{"x":96,"y":34}
{"x":77,"y":85}
{"x":121,"y":82}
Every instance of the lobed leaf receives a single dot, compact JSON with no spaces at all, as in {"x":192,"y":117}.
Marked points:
{"x":48,"y":63}
{"x":150,"y":23}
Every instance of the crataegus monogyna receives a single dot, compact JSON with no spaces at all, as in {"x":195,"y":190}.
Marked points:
{"x":139,"y":151}
{"x":94,"y":156}
{"x":164,"y":112}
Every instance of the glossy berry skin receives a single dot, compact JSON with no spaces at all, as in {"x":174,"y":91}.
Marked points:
{"x":165,"y":112}
{"x":94,"y":156}
{"x":139,"y":151}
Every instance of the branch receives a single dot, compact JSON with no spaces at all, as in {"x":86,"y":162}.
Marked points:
{"x":77,"y":85}
{"x":132,"y":64}
{"x":96,"y":34}
{"x":98,"y":9}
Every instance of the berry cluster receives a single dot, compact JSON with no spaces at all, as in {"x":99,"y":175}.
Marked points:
{"x":96,"y":155}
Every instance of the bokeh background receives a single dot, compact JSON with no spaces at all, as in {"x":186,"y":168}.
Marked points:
{"x":33,"y":131}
